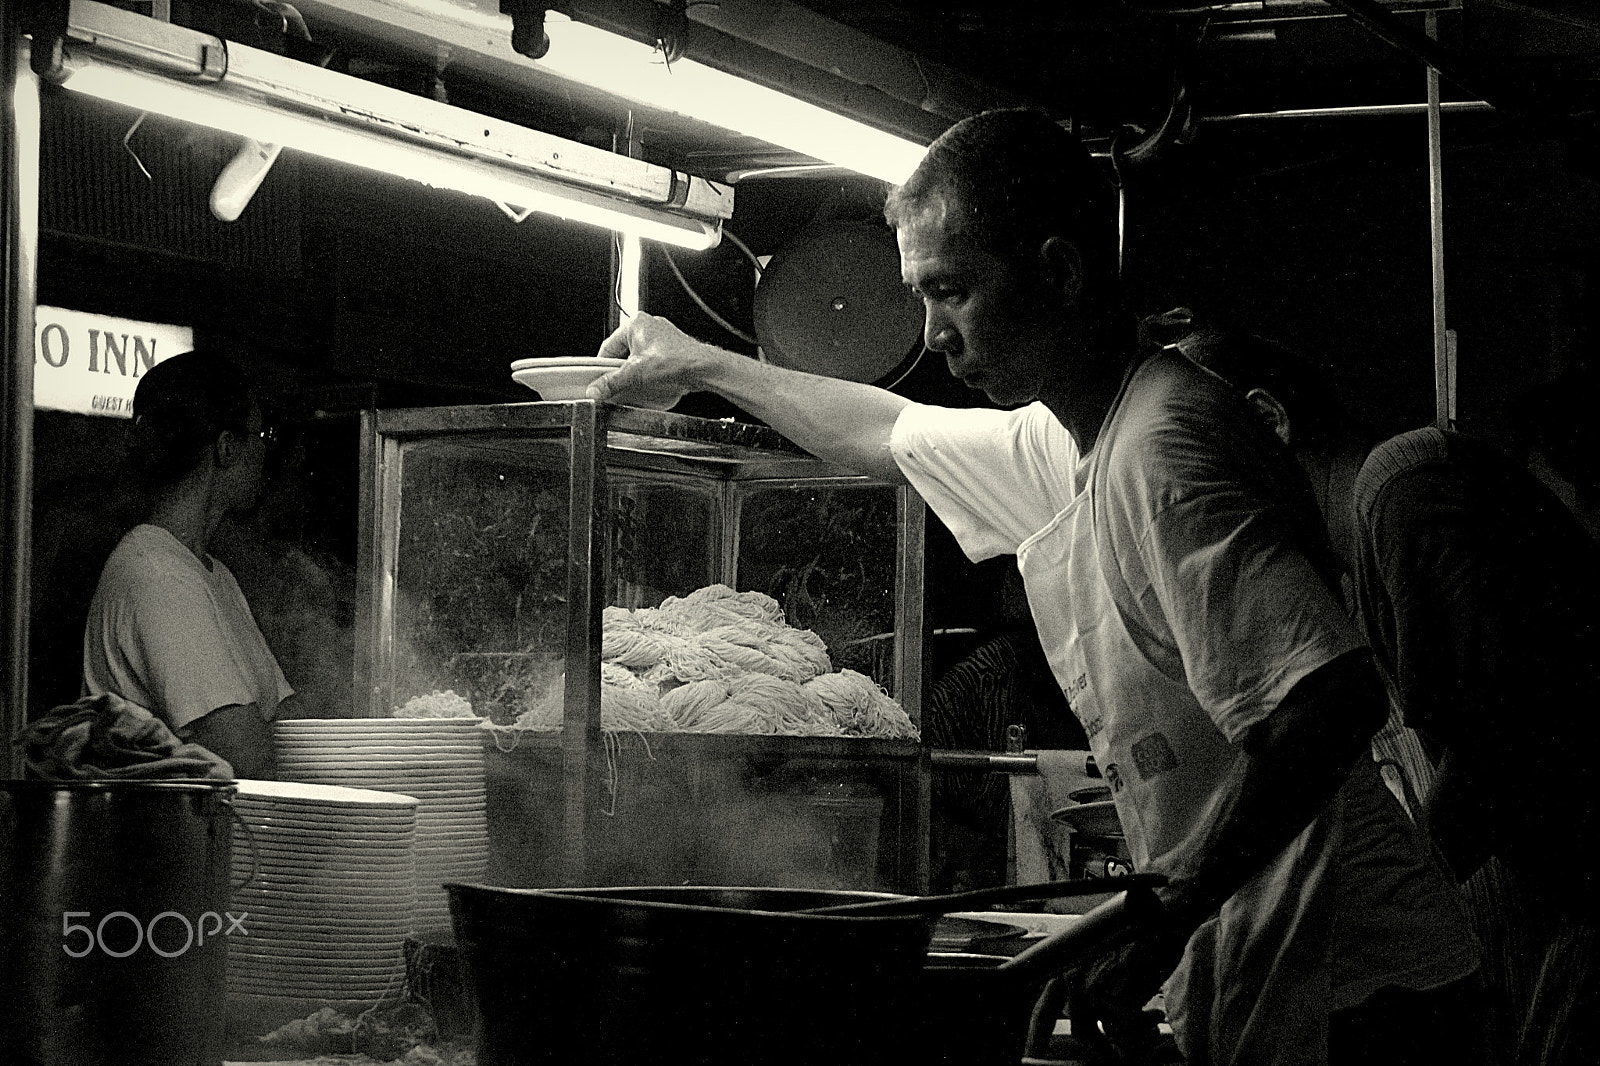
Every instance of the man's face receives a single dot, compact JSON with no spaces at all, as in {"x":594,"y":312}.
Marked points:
{"x":998,"y":323}
{"x":252,"y":459}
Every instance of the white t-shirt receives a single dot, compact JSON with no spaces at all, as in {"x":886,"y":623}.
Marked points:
{"x":175,"y":637}
{"x":1173,"y":576}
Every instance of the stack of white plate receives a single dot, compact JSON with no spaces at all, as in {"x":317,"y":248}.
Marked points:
{"x":437,"y":760}
{"x":328,"y":884}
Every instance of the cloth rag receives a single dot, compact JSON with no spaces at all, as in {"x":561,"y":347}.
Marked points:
{"x":1041,"y":842}
{"x":106,"y":736}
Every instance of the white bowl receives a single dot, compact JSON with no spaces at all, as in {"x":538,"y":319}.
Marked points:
{"x":561,"y":379}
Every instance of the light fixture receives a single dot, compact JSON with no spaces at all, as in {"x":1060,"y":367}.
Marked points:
{"x":268,"y":98}
{"x":640,"y":72}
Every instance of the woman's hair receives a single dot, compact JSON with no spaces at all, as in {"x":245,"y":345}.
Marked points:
{"x":180,"y":407}
{"x":1016,"y":178}
{"x":1247,"y":361}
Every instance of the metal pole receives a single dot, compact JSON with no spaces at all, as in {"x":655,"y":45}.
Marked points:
{"x":1443,"y":385}
{"x":19,"y":202}
{"x":1353,"y":111}
{"x":583,"y":751}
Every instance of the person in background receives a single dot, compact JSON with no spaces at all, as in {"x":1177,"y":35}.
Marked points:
{"x":1003,"y":682}
{"x":1477,"y":590}
{"x":1181,"y":591}
{"x":168,"y":628}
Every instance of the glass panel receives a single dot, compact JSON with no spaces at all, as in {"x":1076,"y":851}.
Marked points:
{"x":665,"y":537}
{"x":481,"y":571}
{"x":828,"y":556}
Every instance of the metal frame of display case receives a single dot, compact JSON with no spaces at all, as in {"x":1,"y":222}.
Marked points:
{"x":739,"y":454}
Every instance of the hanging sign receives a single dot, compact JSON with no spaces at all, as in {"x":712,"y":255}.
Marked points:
{"x":90,"y":364}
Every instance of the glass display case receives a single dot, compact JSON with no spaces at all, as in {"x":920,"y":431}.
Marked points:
{"x":697,"y":650}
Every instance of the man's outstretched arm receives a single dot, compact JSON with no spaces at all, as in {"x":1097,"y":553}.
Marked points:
{"x":843,"y":422}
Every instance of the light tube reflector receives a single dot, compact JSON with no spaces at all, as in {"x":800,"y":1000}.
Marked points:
{"x":213,"y":106}
{"x":638,"y":71}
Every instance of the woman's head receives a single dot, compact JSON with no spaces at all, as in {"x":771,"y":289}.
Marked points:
{"x":182,"y":406}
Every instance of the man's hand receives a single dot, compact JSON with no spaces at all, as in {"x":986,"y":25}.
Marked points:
{"x":844,"y":422}
{"x":1116,"y":979}
{"x":663,"y":363}
{"x":1106,"y":989}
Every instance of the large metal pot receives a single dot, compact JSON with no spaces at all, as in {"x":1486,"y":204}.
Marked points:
{"x":711,"y":976}
{"x":113,"y":897}
{"x":716,"y":976}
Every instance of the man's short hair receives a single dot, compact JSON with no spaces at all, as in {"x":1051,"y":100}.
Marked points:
{"x":1016,"y":178}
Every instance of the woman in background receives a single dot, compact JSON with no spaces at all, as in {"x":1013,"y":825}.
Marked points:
{"x":168,"y":628}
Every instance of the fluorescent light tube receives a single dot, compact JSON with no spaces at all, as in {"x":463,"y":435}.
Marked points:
{"x":626,"y":68}
{"x":214,"y":105}
{"x":638,"y":72}
{"x":630,"y":275}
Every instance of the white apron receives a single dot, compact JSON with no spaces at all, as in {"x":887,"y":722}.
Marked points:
{"x":1244,"y":980}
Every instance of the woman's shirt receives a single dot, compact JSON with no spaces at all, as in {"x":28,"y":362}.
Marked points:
{"x":176,"y":636}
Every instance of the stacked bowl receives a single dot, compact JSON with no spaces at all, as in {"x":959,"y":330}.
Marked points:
{"x":437,"y":760}
{"x":327,"y":884}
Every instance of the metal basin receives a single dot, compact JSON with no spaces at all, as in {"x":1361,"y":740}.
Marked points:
{"x":710,"y":976}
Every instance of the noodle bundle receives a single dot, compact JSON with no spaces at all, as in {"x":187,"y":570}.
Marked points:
{"x":627,"y":703}
{"x":720,"y":661}
{"x":860,"y":707}
{"x":436,"y":704}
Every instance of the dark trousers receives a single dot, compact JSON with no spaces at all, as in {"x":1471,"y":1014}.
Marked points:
{"x":1443,"y":1026}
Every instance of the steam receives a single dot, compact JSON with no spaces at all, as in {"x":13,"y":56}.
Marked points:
{"x":304,"y":606}
{"x":681,"y":819}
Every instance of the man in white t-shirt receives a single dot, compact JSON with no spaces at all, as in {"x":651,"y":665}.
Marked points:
{"x":1179,"y":575}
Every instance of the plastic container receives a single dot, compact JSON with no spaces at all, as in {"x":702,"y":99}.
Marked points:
{"x":113,"y":922}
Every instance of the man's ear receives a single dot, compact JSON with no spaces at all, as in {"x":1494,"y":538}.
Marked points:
{"x":226,"y":448}
{"x":1270,"y":409}
{"x":1063,"y":266}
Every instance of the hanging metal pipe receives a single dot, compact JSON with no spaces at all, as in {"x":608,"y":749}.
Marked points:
{"x":1383,"y":24}
{"x":1274,"y":10}
{"x":1360,"y":111}
{"x":1101,"y":148}
{"x":19,"y":202}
